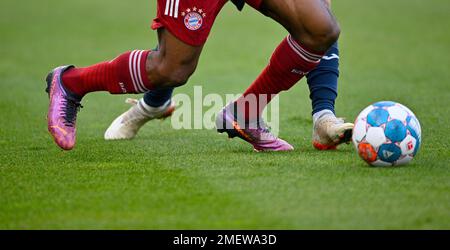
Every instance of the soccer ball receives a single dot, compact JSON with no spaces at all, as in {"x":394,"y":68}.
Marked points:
{"x":387,"y":134}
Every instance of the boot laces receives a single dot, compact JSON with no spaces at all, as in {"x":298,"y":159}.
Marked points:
{"x":70,"y":110}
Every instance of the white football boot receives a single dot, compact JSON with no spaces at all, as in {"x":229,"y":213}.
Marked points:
{"x":127,"y":125}
{"x":330,"y":131}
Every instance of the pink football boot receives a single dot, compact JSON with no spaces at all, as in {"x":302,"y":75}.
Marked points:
{"x":260,"y":137}
{"x":62,"y":111}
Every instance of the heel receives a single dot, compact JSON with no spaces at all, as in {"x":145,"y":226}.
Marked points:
{"x":48,"y":80}
{"x":230,"y":132}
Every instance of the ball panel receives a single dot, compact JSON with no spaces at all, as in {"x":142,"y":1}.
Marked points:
{"x":413,"y":126}
{"x":367,"y":152}
{"x":404,"y":160}
{"x":395,"y":131}
{"x":364,"y":113}
{"x":417,"y":147}
{"x":397,"y":113}
{"x":359,"y":131}
{"x":408,"y":145}
{"x":375,"y":136}
{"x":389,"y":152}
{"x":377,"y":117}
{"x":416,"y":131}
{"x":384,"y":104}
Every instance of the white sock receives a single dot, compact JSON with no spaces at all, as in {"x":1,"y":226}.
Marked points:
{"x":149,"y":110}
{"x":325,"y":112}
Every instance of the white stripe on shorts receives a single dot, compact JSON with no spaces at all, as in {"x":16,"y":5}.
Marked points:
{"x":172,"y":7}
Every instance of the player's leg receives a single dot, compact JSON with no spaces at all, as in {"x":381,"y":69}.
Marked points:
{"x":138,"y":71}
{"x":158,"y":100}
{"x":328,"y":130}
{"x":190,"y":22}
{"x":132,"y":72}
{"x":156,"y":104}
{"x":313,"y":30}
{"x":309,"y":22}
{"x":158,"y":97}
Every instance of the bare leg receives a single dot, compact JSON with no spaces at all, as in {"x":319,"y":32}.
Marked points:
{"x":310,"y":22}
{"x":173,"y":63}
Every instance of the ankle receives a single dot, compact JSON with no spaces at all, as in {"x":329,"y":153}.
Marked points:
{"x":69,"y":79}
{"x":322,"y":113}
{"x":149,"y":110}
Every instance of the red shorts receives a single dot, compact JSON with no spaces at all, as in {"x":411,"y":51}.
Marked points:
{"x":190,"y":20}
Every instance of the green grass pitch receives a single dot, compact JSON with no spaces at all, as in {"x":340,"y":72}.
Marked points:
{"x":196,"y":179}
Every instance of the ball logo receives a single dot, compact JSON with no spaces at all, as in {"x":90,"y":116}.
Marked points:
{"x":410,"y":145}
{"x":193,"y":21}
{"x":387,"y":154}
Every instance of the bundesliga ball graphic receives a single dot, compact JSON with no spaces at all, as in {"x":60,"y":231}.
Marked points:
{"x":387,"y":134}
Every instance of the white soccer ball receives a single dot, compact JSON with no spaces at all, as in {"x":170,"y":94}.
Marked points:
{"x":387,"y":134}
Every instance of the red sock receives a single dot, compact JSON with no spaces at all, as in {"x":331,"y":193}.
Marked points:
{"x":124,"y":74}
{"x":288,"y":64}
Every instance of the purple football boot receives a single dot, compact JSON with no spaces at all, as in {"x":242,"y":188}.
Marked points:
{"x":260,"y":136}
{"x":62,"y":111}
